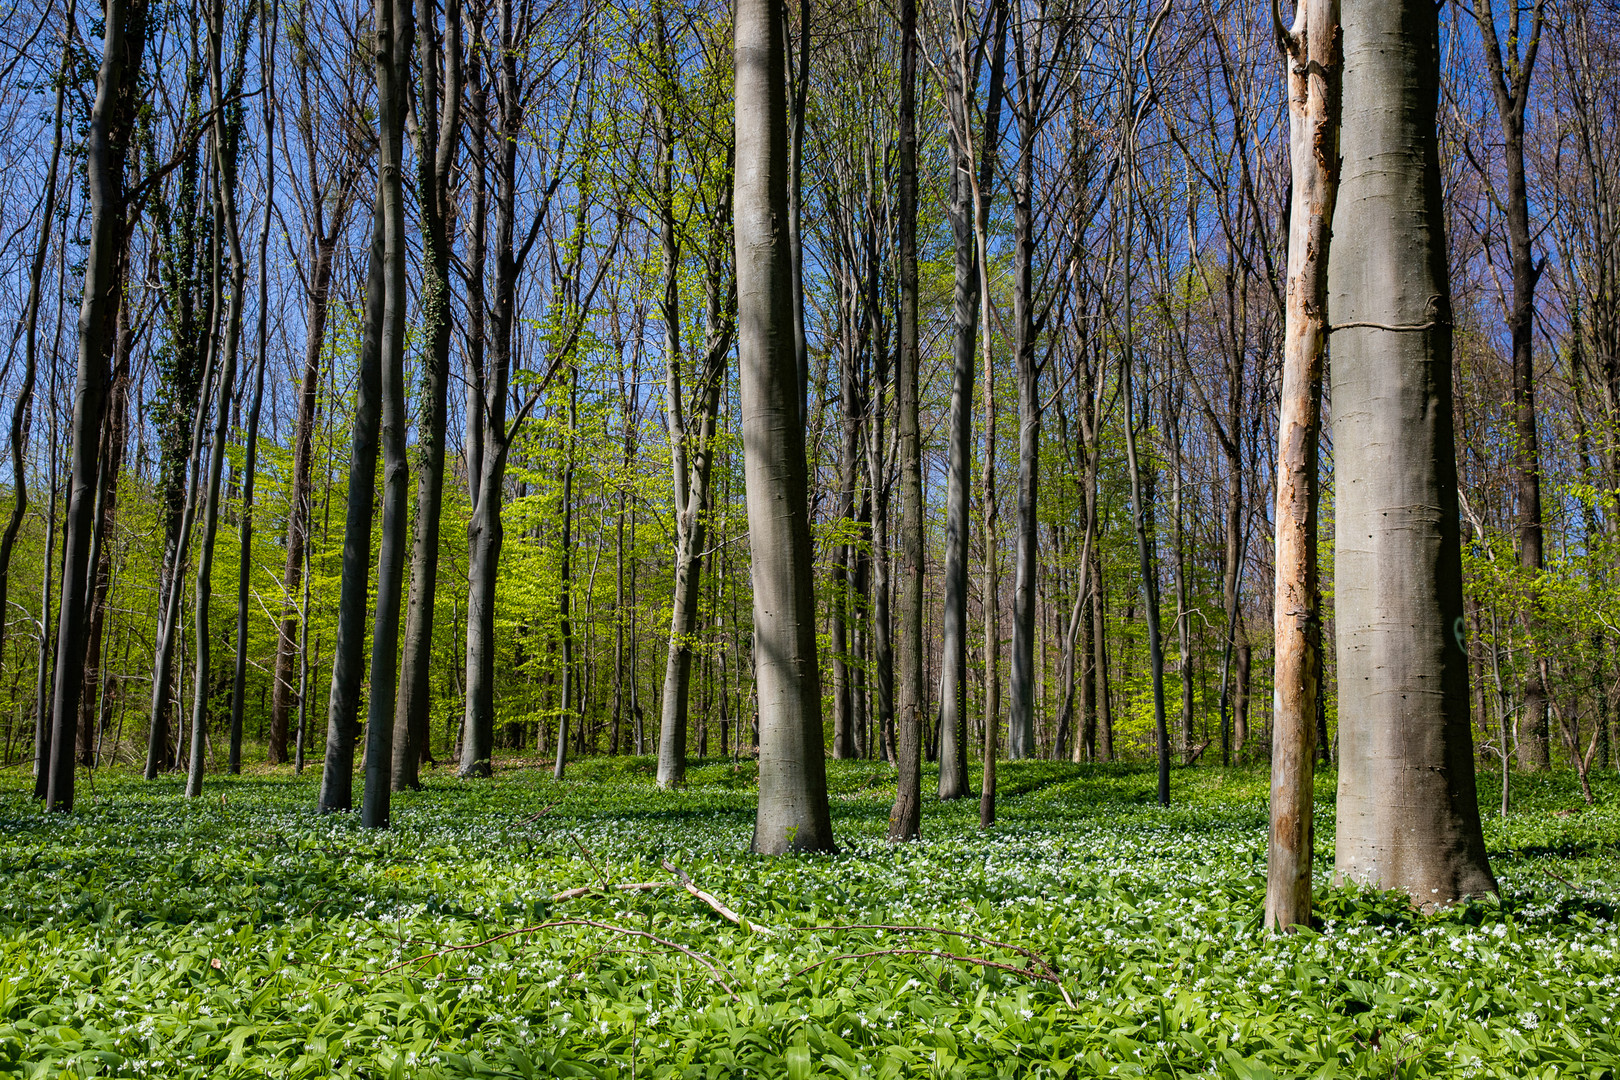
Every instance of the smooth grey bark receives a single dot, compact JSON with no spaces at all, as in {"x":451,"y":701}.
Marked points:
{"x":437,"y":132}
{"x":244,"y":573}
{"x":1408,"y":814}
{"x":799,"y":81}
{"x":228,"y":223}
{"x":905,"y":818}
{"x":961,"y":80}
{"x":396,"y":37}
{"x":348,"y":649}
{"x":1035,"y":67}
{"x":793,"y":813}
{"x":486,"y":531}
{"x":106,"y":146}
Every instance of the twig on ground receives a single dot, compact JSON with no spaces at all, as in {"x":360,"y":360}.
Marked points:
{"x":586,"y":890}
{"x":720,"y":909}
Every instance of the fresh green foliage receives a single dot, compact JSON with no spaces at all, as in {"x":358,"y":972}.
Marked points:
{"x":243,"y":936}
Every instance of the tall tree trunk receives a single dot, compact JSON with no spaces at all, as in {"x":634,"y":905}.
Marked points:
{"x":565,"y":588}
{"x":1311,"y":56}
{"x":114,"y":438}
{"x":22,"y":408}
{"x":348,"y":650}
{"x":1184,"y":614}
{"x":961,"y":80}
{"x":396,"y":35}
{"x":112,"y":118}
{"x":793,"y":812}
{"x":299,"y":511}
{"x":877,"y":477}
{"x":227,"y":222}
{"x":1026,"y":324}
{"x":1403,"y":668}
{"x":906,"y":816}
{"x":244,"y":574}
{"x":1510,"y":77}
{"x":844,"y":613}
{"x":692,"y":442}
{"x":438,"y":132}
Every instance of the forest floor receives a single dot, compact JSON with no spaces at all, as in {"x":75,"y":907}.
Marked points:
{"x":1090,"y":934}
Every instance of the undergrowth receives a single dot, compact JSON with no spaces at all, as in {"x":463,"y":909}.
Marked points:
{"x":242,"y":935}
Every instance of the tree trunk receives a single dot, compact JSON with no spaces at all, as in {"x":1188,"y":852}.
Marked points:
{"x":961,"y":80}
{"x":244,"y":572}
{"x":22,"y":408}
{"x":793,"y":812}
{"x":299,"y":512}
{"x":396,"y":35}
{"x":227,"y":222}
{"x":565,"y":588}
{"x":438,"y":132}
{"x":348,"y":650}
{"x":112,"y":118}
{"x":485,"y":531}
{"x":1403,"y":676}
{"x":906,"y":816}
{"x":114,"y":438}
{"x":1311,"y":58}
{"x":692,"y":440}
{"x":1510,"y":77}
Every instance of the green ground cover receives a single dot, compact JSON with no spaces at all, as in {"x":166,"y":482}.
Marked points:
{"x":243,"y":936}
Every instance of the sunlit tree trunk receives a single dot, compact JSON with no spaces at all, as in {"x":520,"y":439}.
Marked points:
{"x":1310,"y":52}
{"x":438,"y":133}
{"x":793,"y":813}
{"x":393,"y":69}
{"x":1510,"y":71}
{"x":244,"y":569}
{"x":112,"y":118}
{"x":228,"y":222}
{"x":1408,"y":816}
{"x":906,"y":816}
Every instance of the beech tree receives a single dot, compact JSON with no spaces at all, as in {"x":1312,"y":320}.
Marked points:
{"x":382,"y":340}
{"x":905,"y":819}
{"x":436,"y":108}
{"x":1403,"y":676}
{"x":107,"y":141}
{"x":793,"y":811}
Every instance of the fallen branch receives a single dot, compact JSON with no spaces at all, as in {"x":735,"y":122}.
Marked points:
{"x":1036,"y":976}
{"x":586,"y":890}
{"x":719,"y":908}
